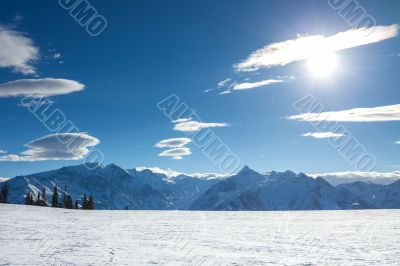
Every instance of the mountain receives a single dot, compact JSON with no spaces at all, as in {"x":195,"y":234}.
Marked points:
{"x":374,"y":195}
{"x":180,"y":190}
{"x":157,"y":189}
{"x":249,"y":190}
{"x":111,"y":186}
{"x":114,"y":187}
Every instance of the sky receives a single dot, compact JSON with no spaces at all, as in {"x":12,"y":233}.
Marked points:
{"x":243,"y":66}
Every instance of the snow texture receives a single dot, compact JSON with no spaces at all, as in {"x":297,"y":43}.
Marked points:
{"x":48,"y":236}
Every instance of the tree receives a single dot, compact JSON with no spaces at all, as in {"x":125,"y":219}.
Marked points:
{"x":54,"y":200}
{"x":90,"y":204}
{"x":44,"y":196}
{"x":64,"y":198}
{"x":84,"y":202}
{"x":4,"y":193}
{"x":76,"y":204}
{"x":69,"y":204}
{"x":38,"y":201}
{"x":29,"y":199}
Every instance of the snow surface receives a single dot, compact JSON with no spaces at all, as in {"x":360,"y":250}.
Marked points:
{"x":48,"y":236}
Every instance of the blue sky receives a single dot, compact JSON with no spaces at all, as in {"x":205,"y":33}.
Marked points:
{"x":152,"y":49}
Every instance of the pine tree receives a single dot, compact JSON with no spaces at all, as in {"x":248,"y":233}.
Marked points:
{"x":69,"y":204}
{"x":29,"y":199}
{"x":38,"y":201}
{"x":54,"y":200}
{"x":44,"y":196}
{"x":84,"y":202}
{"x":64,"y":198}
{"x":4,"y":193}
{"x":90,"y":204}
{"x":76,"y":204}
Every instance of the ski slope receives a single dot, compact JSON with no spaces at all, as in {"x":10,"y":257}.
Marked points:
{"x":48,"y":236}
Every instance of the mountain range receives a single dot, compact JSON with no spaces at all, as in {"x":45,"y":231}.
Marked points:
{"x":147,"y":189}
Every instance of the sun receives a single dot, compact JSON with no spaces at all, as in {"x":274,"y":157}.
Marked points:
{"x":322,"y":64}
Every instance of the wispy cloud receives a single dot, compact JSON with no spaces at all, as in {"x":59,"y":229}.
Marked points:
{"x":398,"y":142}
{"x":304,"y":47}
{"x":189,"y":125}
{"x":3,"y":151}
{"x":322,"y":135}
{"x":223,"y":83}
{"x":172,"y":174}
{"x":374,"y":114}
{"x":37,"y":88}
{"x":63,"y":146}
{"x":251,"y":85}
{"x":176,"y":153}
{"x":173,"y":143}
{"x":350,"y":177}
{"x":17,"y":51}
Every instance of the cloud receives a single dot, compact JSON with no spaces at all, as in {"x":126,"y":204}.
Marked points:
{"x":304,"y":47}
{"x":3,"y":151}
{"x":322,"y":135}
{"x":374,"y":114}
{"x":172,"y":174}
{"x":188,"y":125}
{"x":222,"y":84}
{"x":17,"y":51}
{"x":350,"y":177}
{"x":4,"y":179}
{"x":173,"y":143}
{"x":38,"y":88}
{"x":251,"y":85}
{"x":63,"y":146}
{"x":176,"y":153}
{"x":398,"y":142}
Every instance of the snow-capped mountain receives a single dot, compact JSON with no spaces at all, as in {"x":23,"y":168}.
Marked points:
{"x":111,"y":186}
{"x":249,"y":190}
{"x":114,"y":187}
{"x":156,"y":189}
{"x":180,"y":189}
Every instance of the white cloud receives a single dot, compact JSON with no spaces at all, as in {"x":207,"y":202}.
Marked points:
{"x":176,"y":153}
{"x":322,"y":135}
{"x":37,"y":88}
{"x":172,"y":174}
{"x":63,"y":146}
{"x":181,"y":120}
{"x":252,"y":85}
{"x":222,"y":84}
{"x":189,"y":125}
{"x":374,"y":114}
{"x":350,"y":177}
{"x":17,"y":51}
{"x":56,"y":55}
{"x":3,"y":151}
{"x":304,"y":47}
{"x":3,"y":179}
{"x":398,"y":142}
{"x":173,"y":143}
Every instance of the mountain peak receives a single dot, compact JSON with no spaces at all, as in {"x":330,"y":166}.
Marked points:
{"x":246,"y":170}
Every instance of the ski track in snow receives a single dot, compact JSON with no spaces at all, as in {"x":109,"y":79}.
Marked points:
{"x":48,"y":236}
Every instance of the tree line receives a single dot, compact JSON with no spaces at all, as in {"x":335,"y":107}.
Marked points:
{"x":65,"y":201}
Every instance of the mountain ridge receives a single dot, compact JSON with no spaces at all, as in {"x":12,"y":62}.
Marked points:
{"x":143,"y":189}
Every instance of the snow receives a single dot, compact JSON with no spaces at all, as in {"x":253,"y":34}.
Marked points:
{"x":39,"y":236}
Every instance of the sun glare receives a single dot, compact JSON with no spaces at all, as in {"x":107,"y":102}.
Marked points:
{"x":321,"y":65}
